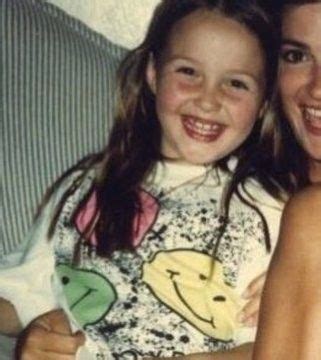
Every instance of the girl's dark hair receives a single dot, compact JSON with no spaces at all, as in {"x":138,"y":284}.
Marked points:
{"x":290,"y":161}
{"x":134,"y":145}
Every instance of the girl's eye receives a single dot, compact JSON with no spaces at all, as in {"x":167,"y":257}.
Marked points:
{"x":186,"y":70}
{"x":238,"y":84}
{"x":293,"y":56}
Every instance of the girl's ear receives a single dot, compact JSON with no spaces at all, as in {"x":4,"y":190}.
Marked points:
{"x":151,"y":74}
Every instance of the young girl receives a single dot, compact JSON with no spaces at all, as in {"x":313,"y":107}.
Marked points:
{"x":150,"y":245}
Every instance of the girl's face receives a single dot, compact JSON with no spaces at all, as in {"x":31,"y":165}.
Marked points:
{"x":300,"y":76}
{"x":209,"y":87}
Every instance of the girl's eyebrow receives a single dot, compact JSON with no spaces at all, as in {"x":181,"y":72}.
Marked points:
{"x":182,"y":58}
{"x":295,"y":43}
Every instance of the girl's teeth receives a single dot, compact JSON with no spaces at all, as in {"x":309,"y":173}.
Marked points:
{"x":202,"y":127}
{"x":311,"y":112}
{"x":313,"y":116}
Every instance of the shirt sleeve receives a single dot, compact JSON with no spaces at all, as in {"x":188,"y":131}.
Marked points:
{"x":29,"y":285}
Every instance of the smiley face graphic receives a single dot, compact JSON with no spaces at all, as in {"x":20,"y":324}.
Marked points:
{"x":192,"y":284}
{"x":89,"y":295}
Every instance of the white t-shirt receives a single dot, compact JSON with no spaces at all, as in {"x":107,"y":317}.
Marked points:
{"x":170,"y":296}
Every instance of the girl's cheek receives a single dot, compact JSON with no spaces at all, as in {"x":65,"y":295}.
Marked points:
{"x":174,"y":94}
{"x":285,"y":80}
{"x":168,"y":99}
{"x":186,"y":87}
{"x":290,"y":80}
{"x":246,"y":113}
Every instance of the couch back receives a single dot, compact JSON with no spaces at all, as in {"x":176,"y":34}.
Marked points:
{"x":57,"y":105}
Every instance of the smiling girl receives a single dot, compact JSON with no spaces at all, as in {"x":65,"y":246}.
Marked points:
{"x":290,"y":320}
{"x":300,"y":92}
{"x":153,"y":242}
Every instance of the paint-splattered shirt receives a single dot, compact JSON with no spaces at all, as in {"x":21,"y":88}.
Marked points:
{"x":173,"y":295}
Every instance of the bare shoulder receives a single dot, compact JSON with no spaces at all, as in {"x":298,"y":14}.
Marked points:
{"x":301,"y":220}
{"x":290,"y":325}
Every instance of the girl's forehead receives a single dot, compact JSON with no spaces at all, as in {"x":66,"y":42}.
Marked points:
{"x":303,"y":23}
{"x":209,"y":32}
{"x":301,"y":16}
{"x":215,"y":44}
{"x":209,"y":24}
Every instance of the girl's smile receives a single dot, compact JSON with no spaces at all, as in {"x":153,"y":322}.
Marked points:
{"x":312,"y":120}
{"x":202,"y":130}
{"x":209,"y":87}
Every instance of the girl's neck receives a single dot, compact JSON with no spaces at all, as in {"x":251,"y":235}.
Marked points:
{"x":315,"y":171}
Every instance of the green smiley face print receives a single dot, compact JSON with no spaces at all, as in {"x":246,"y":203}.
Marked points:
{"x":89,"y":295}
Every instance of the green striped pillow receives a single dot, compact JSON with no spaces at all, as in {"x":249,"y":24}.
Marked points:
{"x":57,"y":104}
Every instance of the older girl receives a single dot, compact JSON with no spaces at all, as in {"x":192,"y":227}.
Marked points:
{"x":290,"y":324}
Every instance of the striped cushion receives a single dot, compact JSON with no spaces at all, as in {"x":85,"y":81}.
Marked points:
{"x":58,"y":91}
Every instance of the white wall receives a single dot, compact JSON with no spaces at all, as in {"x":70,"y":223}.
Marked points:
{"x":122,"y":21}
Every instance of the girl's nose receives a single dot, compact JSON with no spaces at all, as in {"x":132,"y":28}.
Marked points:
{"x":208,"y":98}
{"x":315,"y":82}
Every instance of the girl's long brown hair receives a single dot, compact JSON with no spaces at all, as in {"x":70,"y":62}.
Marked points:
{"x":134,"y":145}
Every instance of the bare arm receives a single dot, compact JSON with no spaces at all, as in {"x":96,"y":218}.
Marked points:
{"x":290,"y":318}
{"x":9,"y":321}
